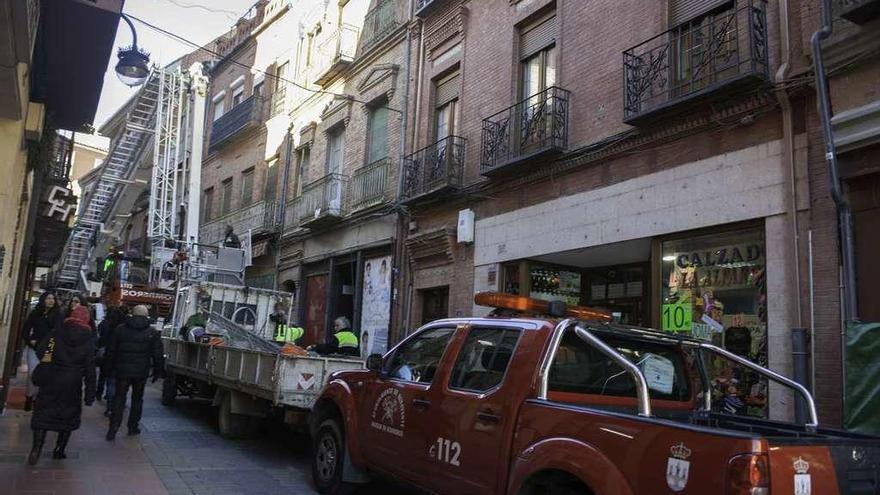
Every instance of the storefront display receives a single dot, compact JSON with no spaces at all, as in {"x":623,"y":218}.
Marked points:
{"x":713,"y":288}
{"x":551,"y":284}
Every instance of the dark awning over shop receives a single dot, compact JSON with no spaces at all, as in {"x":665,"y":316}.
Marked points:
{"x":73,"y":47}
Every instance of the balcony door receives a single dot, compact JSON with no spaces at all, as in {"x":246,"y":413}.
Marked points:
{"x":437,"y":169}
{"x":335,"y":156}
{"x":538,"y":55}
{"x":704,"y":44}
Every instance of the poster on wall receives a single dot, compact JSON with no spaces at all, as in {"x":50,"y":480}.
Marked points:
{"x":376,"y":306}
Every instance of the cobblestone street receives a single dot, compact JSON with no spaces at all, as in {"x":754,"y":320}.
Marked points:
{"x":179,"y":452}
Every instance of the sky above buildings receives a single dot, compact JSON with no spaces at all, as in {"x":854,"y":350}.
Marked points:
{"x":199,"y":21}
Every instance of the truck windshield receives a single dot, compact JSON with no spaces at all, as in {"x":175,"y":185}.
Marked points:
{"x":580,"y":368}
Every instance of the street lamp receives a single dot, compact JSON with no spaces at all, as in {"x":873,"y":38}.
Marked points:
{"x":132,"y":68}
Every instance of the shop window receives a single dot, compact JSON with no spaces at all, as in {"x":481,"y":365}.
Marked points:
{"x":714,"y":289}
{"x":435,"y":304}
{"x":483,"y":360}
{"x":418,"y":358}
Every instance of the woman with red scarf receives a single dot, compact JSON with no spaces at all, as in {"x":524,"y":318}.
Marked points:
{"x":67,"y":364}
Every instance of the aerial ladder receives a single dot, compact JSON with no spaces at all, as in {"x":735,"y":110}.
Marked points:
{"x":116,"y":172}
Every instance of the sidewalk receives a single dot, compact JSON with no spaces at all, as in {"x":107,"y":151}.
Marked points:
{"x":179,"y":452}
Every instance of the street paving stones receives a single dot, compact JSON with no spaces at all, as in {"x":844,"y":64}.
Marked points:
{"x":178,"y":453}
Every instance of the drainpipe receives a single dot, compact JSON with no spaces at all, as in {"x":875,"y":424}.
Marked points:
{"x":850,"y":307}
{"x":400,"y":217}
{"x":799,"y":335}
{"x":281,"y":206}
{"x":844,"y":213}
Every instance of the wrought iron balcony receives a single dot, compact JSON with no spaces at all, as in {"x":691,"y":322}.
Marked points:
{"x":335,"y":53}
{"x":322,"y":202}
{"x":695,"y":60}
{"x":257,"y":217}
{"x":379,"y":22}
{"x":240,"y":117}
{"x":858,"y":11}
{"x":369,"y":185}
{"x":424,"y":7}
{"x":533,"y":127}
{"x":435,"y":169}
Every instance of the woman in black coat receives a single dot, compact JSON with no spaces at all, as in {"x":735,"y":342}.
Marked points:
{"x":39,"y":324}
{"x":59,"y":403}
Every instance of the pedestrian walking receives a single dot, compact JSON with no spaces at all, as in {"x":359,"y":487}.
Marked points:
{"x":39,"y":324}
{"x":76,"y":301}
{"x":135,"y":349}
{"x":106,"y":382}
{"x":67,"y":364}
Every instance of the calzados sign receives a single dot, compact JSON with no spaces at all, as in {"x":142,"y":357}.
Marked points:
{"x":722,"y":256}
{"x":128,"y":291}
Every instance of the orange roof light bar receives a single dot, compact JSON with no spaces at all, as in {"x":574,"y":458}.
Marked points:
{"x":530,"y":305}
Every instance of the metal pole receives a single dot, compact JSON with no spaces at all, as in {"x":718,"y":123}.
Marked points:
{"x":800,"y":369}
{"x":193,"y":210}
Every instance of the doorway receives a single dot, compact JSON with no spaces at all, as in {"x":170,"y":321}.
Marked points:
{"x":316,"y":309}
{"x":435,"y":304}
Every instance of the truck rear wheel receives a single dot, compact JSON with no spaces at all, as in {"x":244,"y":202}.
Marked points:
{"x":231,"y":425}
{"x":169,"y":389}
{"x":328,"y":459}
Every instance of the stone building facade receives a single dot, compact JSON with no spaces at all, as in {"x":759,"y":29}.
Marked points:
{"x":345,"y":112}
{"x":663,"y":163}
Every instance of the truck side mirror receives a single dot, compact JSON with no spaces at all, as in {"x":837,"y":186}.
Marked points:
{"x":374,"y":362}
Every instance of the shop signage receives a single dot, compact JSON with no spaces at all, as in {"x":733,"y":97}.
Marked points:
{"x":677,"y":317}
{"x":723,"y":256}
{"x":61,"y":202}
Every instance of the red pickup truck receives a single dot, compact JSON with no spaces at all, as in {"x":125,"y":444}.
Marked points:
{"x":541,"y":405}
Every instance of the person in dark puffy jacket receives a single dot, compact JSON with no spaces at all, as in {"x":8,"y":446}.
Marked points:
{"x":39,"y":324}
{"x":68,"y":356}
{"x":135,"y":349}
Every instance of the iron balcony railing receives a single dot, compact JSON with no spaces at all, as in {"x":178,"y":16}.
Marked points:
{"x":335,"y":52}
{"x":534,"y":126}
{"x":322,"y":199}
{"x":435,"y":168}
{"x":242,"y":116}
{"x":369,"y":184}
{"x":379,"y":22}
{"x":423,"y":7}
{"x":858,"y":11}
{"x":257,"y":217}
{"x":59,"y":159}
{"x":694,"y":59}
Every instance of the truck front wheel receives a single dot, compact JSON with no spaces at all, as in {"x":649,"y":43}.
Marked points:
{"x":328,"y":459}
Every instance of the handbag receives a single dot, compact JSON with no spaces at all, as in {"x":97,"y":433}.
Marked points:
{"x":40,"y":374}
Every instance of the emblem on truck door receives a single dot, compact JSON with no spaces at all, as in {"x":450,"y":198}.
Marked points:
{"x":388,"y":412}
{"x":677,"y":467}
{"x":802,"y":481}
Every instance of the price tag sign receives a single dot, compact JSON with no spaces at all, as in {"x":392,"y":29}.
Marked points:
{"x":677,"y":317}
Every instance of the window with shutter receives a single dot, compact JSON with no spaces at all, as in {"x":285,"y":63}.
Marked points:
{"x":247,"y":188}
{"x":685,"y":10}
{"x":271,"y":181}
{"x":227,"y":196}
{"x":378,"y":145}
{"x":537,"y":36}
{"x":335,"y":152}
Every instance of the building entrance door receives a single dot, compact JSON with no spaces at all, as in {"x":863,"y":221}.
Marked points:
{"x":316,"y":309}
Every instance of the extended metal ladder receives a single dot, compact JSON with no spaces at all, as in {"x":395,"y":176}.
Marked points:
{"x":116,"y":171}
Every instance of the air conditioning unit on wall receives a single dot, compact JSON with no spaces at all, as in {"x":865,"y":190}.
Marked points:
{"x":465,"y":226}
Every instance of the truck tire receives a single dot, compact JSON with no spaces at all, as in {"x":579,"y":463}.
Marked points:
{"x":169,"y":389}
{"x":328,"y":458}
{"x":231,"y":425}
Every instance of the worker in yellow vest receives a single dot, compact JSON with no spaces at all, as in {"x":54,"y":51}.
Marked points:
{"x":283,"y":332}
{"x":344,"y":341}
{"x":287,"y":333}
